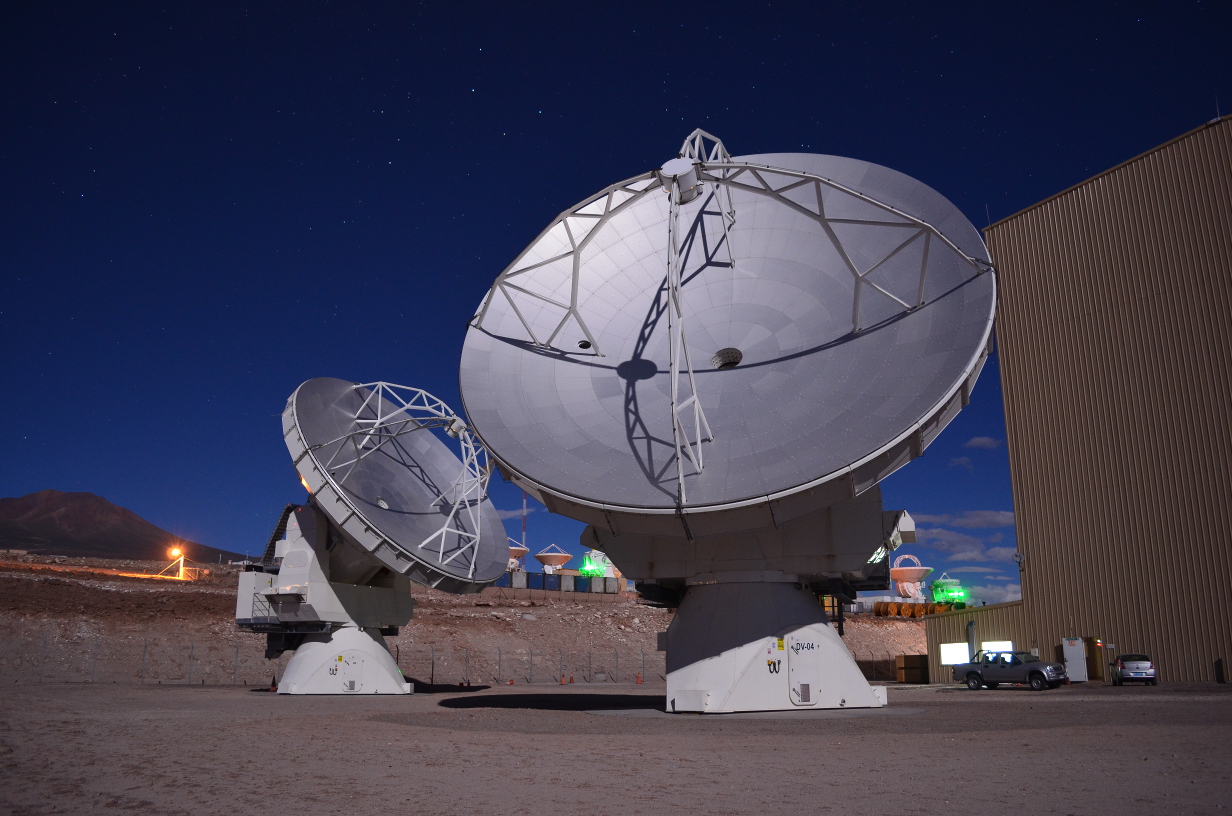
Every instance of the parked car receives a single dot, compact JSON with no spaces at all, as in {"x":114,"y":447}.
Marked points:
{"x":1133,"y":668}
{"x":991,"y":669}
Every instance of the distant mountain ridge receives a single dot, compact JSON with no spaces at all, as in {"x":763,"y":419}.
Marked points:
{"x":51,"y":522}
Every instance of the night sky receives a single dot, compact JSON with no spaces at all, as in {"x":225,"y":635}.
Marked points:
{"x":204,"y":206}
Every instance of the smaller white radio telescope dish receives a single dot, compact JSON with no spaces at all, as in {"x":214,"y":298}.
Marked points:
{"x":391,"y":504}
{"x":714,"y":363}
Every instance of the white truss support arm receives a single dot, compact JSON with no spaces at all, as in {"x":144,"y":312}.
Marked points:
{"x":599,"y":208}
{"x":678,"y":349}
{"x":729,"y":174}
{"x":390,"y":411}
{"x":694,"y":148}
{"x":469,"y":490}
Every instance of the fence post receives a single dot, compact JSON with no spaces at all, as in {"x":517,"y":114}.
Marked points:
{"x":562,"y":665}
{"x":466,"y":672}
{"x":531,"y":678}
{"x":42,"y":658}
{"x":432,"y":673}
{"x":192,"y":648}
{"x":590,"y":669}
{"x":235,"y":668}
{"x":498,"y":664}
{"x":642,"y":676}
{"x":616,"y":679}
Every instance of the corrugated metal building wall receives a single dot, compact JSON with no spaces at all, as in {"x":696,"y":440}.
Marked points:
{"x":1003,"y":621}
{"x":1115,"y":332}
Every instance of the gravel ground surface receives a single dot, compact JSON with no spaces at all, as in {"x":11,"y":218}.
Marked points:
{"x":86,"y":748}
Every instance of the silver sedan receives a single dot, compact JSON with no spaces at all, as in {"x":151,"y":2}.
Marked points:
{"x":1133,"y":668}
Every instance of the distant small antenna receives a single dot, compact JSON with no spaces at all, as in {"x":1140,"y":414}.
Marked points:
{"x":986,"y":215}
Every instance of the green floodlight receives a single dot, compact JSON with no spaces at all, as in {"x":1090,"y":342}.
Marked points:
{"x":948,"y":590}
{"x":592,"y":567}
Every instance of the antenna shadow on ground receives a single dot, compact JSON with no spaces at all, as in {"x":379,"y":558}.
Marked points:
{"x":560,"y":702}
{"x":443,"y":688}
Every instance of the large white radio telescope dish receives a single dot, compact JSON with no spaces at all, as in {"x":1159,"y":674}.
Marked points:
{"x":815,"y":324}
{"x":714,"y":364}
{"x":373,"y":464}
{"x":391,"y":504}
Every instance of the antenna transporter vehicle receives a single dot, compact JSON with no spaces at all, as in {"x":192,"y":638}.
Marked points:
{"x":713,"y":364}
{"x":390,"y":504}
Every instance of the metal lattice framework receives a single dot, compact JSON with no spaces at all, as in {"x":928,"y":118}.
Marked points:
{"x":571,"y":231}
{"x":738,"y":175}
{"x":678,"y":353}
{"x":559,"y":248}
{"x":390,"y":412}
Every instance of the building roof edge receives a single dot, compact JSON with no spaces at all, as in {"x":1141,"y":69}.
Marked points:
{"x":1084,"y":182}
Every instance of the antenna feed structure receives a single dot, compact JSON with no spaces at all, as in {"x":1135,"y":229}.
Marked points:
{"x":390,"y":504}
{"x":680,"y":177}
{"x":840,"y":314}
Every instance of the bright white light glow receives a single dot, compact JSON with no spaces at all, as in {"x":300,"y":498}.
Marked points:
{"x":997,"y":645}
{"x":953,"y":654}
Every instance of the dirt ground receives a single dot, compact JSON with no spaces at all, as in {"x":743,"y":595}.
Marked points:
{"x":129,"y":694}
{"x":75,"y":620}
{"x":87,"y":748}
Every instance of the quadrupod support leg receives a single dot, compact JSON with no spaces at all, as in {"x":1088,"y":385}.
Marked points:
{"x":349,"y":660}
{"x":760,"y":647}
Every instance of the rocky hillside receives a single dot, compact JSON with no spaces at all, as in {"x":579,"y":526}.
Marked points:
{"x":51,"y":522}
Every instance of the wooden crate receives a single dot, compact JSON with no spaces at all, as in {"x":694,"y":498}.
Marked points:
{"x":912,"y":675}
{"x":911,"y":668}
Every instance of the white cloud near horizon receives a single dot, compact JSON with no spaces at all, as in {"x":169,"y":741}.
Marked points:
{"x":962,"y":461}
{"x":982,"y":443}
{"x":971,"y":519}
{"x":511,"y":514}
{"x":979,"y":519}
{"x":995,"y":593}
{"x":956,"y":545}
{"x":961,"y":546}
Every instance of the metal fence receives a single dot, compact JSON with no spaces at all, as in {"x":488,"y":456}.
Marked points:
{"x":877,"y":665}
{"x":54,"y":657}
{"x":526,"y":664}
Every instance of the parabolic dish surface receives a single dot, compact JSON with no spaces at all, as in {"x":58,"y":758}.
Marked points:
{"x":809,"y":397}
{"x":387,"y":497}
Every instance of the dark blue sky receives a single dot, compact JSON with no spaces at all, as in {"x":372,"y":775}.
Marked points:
{"x":203,"y":207}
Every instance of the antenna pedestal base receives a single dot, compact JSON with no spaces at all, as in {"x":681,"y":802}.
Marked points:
{"x":758,"y":646}
{"x":349,"y":660}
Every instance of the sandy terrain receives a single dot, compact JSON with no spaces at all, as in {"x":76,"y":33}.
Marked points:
{"x":79,"y":732}
{"x":86,"y":748}
{"x":76,"y":620}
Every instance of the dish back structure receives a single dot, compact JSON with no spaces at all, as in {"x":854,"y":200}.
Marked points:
{"x":778,"y":335}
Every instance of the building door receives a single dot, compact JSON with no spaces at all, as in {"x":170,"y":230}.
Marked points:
{"x":1075,"y":653}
